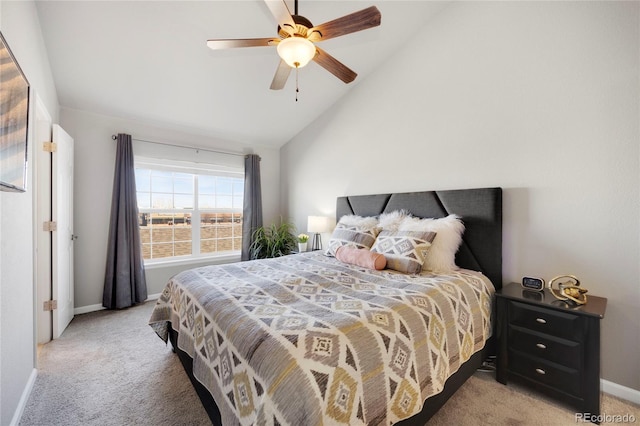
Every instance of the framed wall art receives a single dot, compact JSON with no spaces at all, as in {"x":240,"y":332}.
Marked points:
{"x":14,"y":121}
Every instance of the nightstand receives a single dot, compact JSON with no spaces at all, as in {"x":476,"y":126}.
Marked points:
{"x":550,"y":345}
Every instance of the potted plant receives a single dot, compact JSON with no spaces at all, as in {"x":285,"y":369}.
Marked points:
{"x":273,"y":241}
{"x":302,"y":242}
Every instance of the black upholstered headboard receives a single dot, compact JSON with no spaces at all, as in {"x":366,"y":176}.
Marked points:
{"x":480,"y":209}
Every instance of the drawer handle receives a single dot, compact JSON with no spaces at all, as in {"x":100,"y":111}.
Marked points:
{"x":540,"y":371}
{"x":541,"y":346}
{"x":541,"y":320}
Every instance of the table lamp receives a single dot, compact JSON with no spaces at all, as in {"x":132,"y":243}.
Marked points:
{"x":317,"y":225}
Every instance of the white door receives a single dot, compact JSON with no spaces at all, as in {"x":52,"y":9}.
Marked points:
{"x":63,"y":237}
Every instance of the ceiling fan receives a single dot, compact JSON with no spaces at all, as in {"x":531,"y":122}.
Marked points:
{"x":297,"y":38}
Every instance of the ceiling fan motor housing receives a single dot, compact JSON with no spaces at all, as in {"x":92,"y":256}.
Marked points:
{"x":302,"y":27}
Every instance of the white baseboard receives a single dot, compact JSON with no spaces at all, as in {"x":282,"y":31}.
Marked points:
{"x":17,"y":415}
{"x":87,"y":309}
{"x":620,"y":391}
{"x":153,"y":297}
{"x":99,"y":307}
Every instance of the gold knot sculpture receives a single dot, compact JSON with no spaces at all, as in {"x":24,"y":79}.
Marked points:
{"x":567,"y":287}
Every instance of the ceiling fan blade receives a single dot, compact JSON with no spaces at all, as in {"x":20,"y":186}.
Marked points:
{"x":357,"y":21}
{"x":282,"y":74}
{"x":281,"y":13}
{"x":334,"y":66}
{"x":241,"y":42}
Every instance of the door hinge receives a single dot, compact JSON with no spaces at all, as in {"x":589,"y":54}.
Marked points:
{"x":50,"y":305}
{"x":49,"y":147}
{"x":49,"y":226}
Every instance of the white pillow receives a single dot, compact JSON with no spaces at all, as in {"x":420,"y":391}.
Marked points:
{"x":359,"y":221}
{"x":442,"y":253}
{"x":391,"y":221}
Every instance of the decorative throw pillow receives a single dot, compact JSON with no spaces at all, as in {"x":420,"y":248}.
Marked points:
{"x":391,"y":221}
{"x":361,"y":257}
{"x":405,"y":251}
{"x":442,"y":254}
{"x":356,"y":231}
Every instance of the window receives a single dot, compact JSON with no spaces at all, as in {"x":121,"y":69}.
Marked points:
{"x":174,"y":196}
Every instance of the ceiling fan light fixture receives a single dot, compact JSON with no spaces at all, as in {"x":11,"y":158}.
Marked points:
{"x":296,"y":51}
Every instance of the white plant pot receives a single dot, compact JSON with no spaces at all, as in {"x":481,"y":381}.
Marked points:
{"x":302,"y":247}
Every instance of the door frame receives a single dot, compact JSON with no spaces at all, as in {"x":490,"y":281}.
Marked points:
{"x":41,"y":240}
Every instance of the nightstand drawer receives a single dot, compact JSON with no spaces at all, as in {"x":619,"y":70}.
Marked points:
{"x":544,"y":346}
{"x":545,"y":372}
{"x":547,"y":321}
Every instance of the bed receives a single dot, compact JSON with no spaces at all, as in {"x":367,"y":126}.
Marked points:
{"x":306,"y":339}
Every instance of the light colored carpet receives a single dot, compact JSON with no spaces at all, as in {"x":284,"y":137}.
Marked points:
{"x":109,"y":368}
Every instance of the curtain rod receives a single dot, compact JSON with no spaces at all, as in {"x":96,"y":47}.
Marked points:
{"x":114,"y":137}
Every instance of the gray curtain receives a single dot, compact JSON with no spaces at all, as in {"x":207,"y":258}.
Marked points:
{"x":124,"y":283}
{"x":252,"y":210}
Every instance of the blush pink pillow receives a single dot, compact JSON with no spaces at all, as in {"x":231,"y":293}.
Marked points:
{"x":361,"y":257}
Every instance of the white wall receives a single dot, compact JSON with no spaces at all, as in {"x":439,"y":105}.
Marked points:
{"x":20,"y":26}
{"x":539,"y":98}
{"x":94,"y":166}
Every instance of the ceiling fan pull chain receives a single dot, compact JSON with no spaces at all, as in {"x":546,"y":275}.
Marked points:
{"x":297,"y":89}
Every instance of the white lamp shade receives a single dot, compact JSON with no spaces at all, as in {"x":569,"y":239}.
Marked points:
{"x":318,"y":224}
{"x":296,"y":51}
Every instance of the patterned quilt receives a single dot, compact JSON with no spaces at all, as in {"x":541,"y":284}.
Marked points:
{"x":307,"y":340}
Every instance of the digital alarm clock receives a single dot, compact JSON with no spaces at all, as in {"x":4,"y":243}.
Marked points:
{"x":533,"y":283}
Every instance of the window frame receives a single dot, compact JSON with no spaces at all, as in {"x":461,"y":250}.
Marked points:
{"x":197,"y":170}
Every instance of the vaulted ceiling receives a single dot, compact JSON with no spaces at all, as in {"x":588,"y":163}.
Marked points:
{"x":148,"y":61}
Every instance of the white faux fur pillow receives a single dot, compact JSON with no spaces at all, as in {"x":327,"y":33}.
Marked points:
{"x":442,"y":253}
{"x":391,"y":221}
{"x":359,"y":221}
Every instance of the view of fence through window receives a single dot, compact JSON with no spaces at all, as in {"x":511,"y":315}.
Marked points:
{"x":170,"y":203}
